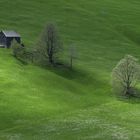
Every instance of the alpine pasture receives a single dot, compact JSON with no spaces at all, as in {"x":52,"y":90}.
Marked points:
{"x":59,"y":104}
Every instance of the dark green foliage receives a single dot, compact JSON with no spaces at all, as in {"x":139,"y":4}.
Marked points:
{"x":18,"y":50}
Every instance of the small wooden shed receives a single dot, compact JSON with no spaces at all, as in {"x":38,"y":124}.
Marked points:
{"x":6,"y":37}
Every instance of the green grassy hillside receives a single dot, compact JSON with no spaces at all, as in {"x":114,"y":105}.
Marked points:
{"x":57,"y":104}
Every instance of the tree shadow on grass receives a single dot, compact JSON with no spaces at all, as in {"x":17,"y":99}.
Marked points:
{"x":135,"y":99}
{"x":20,"y":61}
{"x":78,"y":75}
{"x":23,"y":62}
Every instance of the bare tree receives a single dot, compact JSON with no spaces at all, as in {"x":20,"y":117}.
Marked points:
{"x":72,"y":55}
{"x":49,"y":44}
{"x":126,"y":74}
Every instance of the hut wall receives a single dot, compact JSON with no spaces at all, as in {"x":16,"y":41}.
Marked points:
{"x":2,"y":39}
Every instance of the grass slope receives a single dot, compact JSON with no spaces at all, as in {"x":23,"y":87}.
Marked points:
{"x":46,"y":104}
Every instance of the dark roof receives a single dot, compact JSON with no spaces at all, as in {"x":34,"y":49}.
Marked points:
{"x":10,"y":33}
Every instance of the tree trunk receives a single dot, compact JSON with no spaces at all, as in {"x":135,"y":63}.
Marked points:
{"x":51,"y":59}
{"x":128,"y":92}
{"x":71,"y":63}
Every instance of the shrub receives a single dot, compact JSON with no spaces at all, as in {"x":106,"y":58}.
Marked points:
{"x":18,"y":50}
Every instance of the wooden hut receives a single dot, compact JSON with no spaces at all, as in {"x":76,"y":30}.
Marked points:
{"x":6,"y":37}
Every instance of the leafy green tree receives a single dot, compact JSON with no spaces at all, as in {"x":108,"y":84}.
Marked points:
{"x":126,"y":75}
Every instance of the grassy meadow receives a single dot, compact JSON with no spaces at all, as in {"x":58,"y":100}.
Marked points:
{"x":58,"y":104}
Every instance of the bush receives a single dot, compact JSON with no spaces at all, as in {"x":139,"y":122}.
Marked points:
{"x":18,"y":50}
